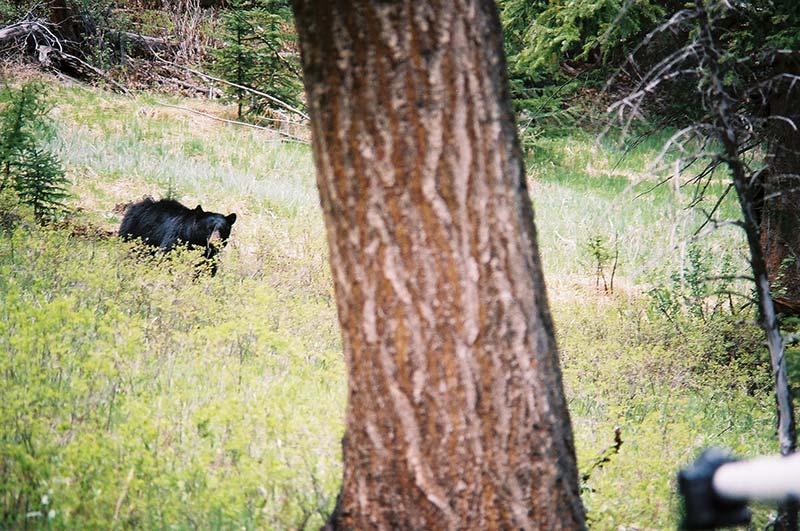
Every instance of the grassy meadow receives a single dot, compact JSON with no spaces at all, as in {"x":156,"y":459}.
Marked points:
{"x":132,"y":397}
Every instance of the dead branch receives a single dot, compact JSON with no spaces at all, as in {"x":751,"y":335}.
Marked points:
{"x":242,"y":87}
{"x":144,"y":45}
{"x":19,"y":30}
{"x":604,"y":457}
{"x":35,"y":29}
{"x":50,"y":53}
{"x":208,"y":91}
{"x":235,"y":122}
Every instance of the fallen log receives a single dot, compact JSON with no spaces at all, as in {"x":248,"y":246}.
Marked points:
{"x":26,"y":28}
{"x":50,"y":57}
{"x":144,"y":45}
{"x":20,"y":29}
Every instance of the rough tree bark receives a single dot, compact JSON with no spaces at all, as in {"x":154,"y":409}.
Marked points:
{"x":456,"y":415}
{"x":780,"y":225}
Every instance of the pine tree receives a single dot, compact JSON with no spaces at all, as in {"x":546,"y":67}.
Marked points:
{"x":26,"y":166}
{"x":40,"y":183}
{"x":236,"y":60}
{"x":256,"y":36}
{"x":278,"y":71}
{"x":23,"y":122}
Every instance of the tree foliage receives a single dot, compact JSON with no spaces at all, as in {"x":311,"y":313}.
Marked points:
{"x":560,"y":52}
{"x":541,"y":36}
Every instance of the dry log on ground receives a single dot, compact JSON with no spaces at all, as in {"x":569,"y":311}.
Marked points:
{"x":19,"y":30}
{"x":144,"y":45}
{"x":74,"y":66}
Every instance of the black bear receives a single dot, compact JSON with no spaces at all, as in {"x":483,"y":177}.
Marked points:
{"x":166,"y":223}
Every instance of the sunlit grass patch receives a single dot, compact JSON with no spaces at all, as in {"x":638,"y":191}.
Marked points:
{"x":583,"y":188}
{"x":671,"y":395}
{"x":171,"y":151}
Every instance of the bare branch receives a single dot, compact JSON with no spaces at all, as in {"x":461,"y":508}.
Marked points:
{"x":235,"y":122}
{"x":710,"y":215}
{"x":236,"y":85}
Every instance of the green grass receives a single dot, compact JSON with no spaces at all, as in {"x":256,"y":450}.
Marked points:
{"x":136,"y":398}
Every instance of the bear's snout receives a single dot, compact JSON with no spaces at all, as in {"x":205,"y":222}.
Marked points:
{"x":215,"y":238}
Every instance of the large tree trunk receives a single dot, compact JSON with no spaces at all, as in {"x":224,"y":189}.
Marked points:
{"x":456,"y":416}
{"x":780,"y":226}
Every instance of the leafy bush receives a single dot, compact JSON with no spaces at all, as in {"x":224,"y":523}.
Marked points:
{"x":100,"y":26}
{"x":134,"y":397}
{"x":704,"y":307}
{"x":11,"y":11}
{"x":671,"y":393}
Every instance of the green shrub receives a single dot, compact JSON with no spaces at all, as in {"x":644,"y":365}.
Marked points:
{"x":133,"y":396}
{"x":603,"y":261}
{"x":100,"y":23}
{"x":671,"y":394}
{"x":11,"y":11}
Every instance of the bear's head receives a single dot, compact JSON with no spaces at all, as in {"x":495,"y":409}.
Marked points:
{"x":211,"y":230}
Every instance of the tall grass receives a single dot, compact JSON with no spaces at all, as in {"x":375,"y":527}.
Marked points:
{"x":134,"y":397}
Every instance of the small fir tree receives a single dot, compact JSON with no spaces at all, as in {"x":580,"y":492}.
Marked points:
{"x":257,"y":38}
{"x":278,"y":67}
{"x":27,"y":167}
{"x":41,"y":184}
{"x":236,"y":60}
{"x":24,"y":123}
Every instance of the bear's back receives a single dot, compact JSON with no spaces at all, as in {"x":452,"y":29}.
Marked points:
{"x":158,"y":223}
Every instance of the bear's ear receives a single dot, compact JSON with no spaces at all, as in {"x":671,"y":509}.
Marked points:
{"x":231,"y":218}
{"x":198,"y":209}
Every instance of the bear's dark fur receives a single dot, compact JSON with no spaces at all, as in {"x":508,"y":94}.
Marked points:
{"x":166,"y":223}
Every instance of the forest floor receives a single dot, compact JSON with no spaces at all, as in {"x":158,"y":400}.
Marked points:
{"x":133,"y":397}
